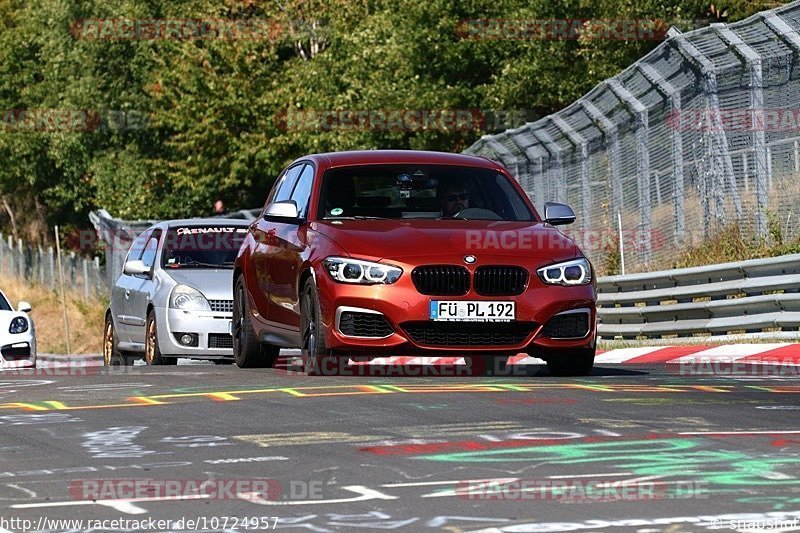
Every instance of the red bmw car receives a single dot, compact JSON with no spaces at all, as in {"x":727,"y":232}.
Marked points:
{"x":375,"y":253}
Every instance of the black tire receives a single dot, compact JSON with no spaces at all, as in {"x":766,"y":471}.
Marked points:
{"x":577,"y":363}
{"x":152,"y":352}
{"x":317,"y":358}
{"x":111,"y":354}
{"x":248,"y":351}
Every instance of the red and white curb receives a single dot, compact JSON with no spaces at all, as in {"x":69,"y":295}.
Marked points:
{"x":782,"y":353}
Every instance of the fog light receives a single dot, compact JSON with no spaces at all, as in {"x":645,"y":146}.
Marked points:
{"x":186,"y":339}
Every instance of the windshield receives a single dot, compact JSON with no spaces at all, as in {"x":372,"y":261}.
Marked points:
{"x":420,"y":191}
{"x":202,"y":246}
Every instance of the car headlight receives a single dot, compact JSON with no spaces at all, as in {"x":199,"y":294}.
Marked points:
{"x":18,"y":325}
{"x":188,"y":299}
{"x":346,"y":270}
{"x":575,"y":272}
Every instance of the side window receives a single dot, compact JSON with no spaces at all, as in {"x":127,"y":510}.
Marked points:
{"x":302,"y":191}
{"x":137,"y":246}
{"x":150,"y":249}
{"x":288,"y":183}
{"x":282,"y":190}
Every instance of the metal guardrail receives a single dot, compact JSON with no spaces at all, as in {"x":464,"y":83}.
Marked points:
{"x":758,"y":298}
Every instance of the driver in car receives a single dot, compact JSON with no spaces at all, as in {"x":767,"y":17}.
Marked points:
{"x":454,"y":198}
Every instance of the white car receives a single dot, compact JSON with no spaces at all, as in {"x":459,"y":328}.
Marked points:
{"x":17,"y":335}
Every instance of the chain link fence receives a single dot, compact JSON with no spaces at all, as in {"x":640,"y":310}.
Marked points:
{"x":701,"y":133}
{"x":39,"y":265}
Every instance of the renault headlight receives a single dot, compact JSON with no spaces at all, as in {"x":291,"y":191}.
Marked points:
{"x":18,"y":325}
{"x":575,"y":272}
{"x":346,"y":270}
{"x":188,"y":299}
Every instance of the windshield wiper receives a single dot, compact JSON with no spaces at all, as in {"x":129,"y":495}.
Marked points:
{"x":199,"y":264}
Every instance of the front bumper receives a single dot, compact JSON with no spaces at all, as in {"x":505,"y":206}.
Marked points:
{"x":403,"y":308}
{"x":18,"y":351}
{"x":206,"y":326}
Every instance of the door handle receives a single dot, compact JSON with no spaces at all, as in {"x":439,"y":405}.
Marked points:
{"x":127,"y":293}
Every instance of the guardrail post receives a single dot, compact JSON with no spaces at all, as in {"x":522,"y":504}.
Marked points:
{"x":507,"y":159}
{"x":581,"y":144}
{"x":745,"y":172}
{"x":558,"y":187}
{"x":611,"y":133}
{"x":673,"y":96}
{"x":769,"y":168}
{"x":754,"y":65}
{"x":534,"y":155}
{"x":642,"y":161}
{"x":719,"y":138}
{"x":797,"y":156}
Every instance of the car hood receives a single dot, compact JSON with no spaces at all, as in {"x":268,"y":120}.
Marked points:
{"x":214,"y":284}
{"x":401,"y":239}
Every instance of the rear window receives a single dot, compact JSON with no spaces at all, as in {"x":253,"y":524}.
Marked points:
{"x":207,"y":246}
{"x":420,"y":191}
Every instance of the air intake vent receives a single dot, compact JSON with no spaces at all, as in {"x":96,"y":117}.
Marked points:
{"x":221,"y":306}
{"x":467,"y":334}
{"x":441,"y":280}
{"x":357,"y":324}
{"x":500,"y":280}
{"x":220,"y":340}
{"x":567,"y":326}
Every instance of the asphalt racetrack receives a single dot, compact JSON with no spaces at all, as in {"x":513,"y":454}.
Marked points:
{"x":633,"y":447}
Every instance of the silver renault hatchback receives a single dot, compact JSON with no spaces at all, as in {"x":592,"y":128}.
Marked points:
{"x":174,"y":297}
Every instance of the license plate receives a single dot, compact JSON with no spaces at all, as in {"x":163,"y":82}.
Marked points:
{"x":472,"y":311}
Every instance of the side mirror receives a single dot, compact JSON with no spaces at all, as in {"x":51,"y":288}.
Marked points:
{"x":558,"y":214}
{"x":135,"y":268}
{"x":282,"y":209}
{"x":24,"y":307}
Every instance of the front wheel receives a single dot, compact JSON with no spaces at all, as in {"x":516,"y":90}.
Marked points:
{"x":317,"y":358}
{"x":152,"y":352}
{"x":575,"y":363}
{"x":248,"y":351}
